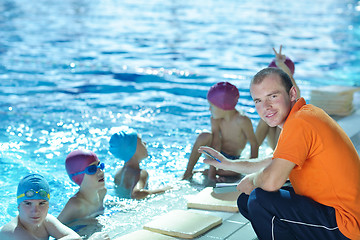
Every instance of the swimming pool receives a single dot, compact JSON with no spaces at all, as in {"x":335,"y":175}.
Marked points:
{"x":73,"y":72}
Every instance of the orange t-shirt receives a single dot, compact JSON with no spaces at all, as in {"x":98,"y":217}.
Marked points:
{"x":327,"y":165}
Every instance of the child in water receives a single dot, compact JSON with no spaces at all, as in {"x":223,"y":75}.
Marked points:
{"x":230,"y":131}
{"x":33,"y":221}
{"x":131,"y":181}
{"x":86,"y":170}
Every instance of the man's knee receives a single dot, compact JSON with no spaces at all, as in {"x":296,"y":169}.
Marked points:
{"x":257,"y":200}
{"x":250,"y":204}
{"x":242,"y":202}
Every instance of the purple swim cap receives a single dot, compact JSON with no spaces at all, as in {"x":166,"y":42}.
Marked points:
{"x":77,"y":161}
{"x":223,"y":95}
{"x":288,"y":62}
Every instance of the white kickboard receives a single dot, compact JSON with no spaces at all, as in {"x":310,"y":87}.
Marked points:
{"x":183,"y":224}
{"x":207,"y":199}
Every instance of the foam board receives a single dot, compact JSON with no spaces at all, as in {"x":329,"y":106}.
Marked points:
{"x":183,"y":224}
{"x":207,"y":199}
{"x":335,"y":100}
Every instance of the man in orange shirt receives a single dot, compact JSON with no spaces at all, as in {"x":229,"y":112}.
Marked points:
{"x":314,"y":153}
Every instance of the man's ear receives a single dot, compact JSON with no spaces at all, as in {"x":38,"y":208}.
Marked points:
{"x":293,"y":93}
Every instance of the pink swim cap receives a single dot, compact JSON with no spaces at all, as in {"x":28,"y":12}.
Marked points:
{"x":77,"y":161}
{"x":288,"y":62}
{"x":223,"y":95}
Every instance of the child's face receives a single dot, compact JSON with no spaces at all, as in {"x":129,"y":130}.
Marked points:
{"x":33,"y":212}
{"x":96,"y":180}
{"x":216,"y":112}
{"x":141,"y":149}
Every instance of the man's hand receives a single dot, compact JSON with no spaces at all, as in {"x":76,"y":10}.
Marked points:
{"x":224,"y":162}
{"x":246,"y":185}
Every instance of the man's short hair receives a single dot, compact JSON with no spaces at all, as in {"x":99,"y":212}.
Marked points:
{"x":285,"y":79}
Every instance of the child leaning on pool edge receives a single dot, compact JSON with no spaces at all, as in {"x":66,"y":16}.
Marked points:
{"x":33,"y":221}
{"x":131,"y":181}
{"x":230,"y":130}
{"x":85,"y":169}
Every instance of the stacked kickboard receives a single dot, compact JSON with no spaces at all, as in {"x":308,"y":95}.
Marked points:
{"x":208,"y":199}
{"x":335,"y":100}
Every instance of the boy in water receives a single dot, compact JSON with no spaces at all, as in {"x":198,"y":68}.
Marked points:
{"x":85,"y":169}
{"x":230,"y":130}
{"x":33,"y":221}
{"x":130,"y":180}
{"x":263,"y":130}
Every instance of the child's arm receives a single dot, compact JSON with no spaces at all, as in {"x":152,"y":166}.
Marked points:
{"x":58,"y":230}
{"x":215,"y":144}
{"x":139,"y":191}
{"x":143,"y":193}
{"x":247,"y":127}
{"x":262,"y":130}
{"x":280,"y":62}
{"x":215,"y":131}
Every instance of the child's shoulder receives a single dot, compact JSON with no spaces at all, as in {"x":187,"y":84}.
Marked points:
{"x":9,"y":227}
{"x":241,"y":116}
{"x":76,"y":207}
{"x":242,"y":121}
{"x":8,"y":232}
{"x":76,"y":202}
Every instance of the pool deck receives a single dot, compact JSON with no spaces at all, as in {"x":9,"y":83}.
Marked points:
{"x":235,"y":226}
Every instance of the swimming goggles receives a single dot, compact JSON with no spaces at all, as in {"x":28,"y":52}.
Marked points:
{"x":31,"y":193}
{"x":90,"y":170}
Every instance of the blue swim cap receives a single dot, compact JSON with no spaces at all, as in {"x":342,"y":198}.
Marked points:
{"x":123,"y":144}
{"x":33,"y":187}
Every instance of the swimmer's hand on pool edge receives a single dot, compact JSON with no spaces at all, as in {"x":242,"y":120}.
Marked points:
{"x":224,"y":162}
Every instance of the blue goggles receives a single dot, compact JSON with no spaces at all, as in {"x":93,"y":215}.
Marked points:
{"x":90,"y":170}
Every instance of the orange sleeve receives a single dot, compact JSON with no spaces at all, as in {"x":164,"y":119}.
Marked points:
{"x":294,"y":143}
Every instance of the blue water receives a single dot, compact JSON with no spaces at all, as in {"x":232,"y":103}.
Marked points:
{"x":73,"y":72}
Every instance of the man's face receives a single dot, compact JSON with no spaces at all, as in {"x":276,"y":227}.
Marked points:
{"x":33,"y":212}
{"x":272,"y":102}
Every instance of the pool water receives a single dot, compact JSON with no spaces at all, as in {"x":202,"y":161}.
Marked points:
{"x":74,"y":72}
